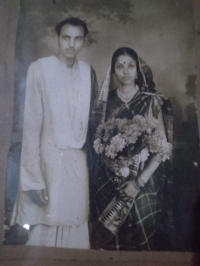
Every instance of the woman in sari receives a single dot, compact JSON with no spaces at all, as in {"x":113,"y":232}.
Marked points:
{"x":128,"y":91}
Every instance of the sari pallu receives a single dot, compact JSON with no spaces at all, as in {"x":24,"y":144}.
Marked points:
{"x":147,"y":214}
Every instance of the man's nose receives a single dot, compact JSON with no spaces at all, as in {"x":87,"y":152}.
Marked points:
{"x":71,"y":43}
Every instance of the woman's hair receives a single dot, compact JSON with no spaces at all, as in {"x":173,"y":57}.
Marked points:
{"x":128,"y":51}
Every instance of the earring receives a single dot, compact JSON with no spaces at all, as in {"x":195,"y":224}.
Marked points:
{"x":115,"y":81}
{"x":136,"y":78}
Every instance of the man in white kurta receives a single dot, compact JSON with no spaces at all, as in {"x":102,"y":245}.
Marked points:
{"x":54,"y":186}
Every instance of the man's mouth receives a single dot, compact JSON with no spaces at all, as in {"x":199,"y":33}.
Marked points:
{"x":70,"y":51}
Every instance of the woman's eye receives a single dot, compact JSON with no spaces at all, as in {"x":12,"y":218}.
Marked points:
{"x":119,"y":67}
{"x":131,"y":66}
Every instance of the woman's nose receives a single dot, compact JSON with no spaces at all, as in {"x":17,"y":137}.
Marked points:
{"x":125,"y":70}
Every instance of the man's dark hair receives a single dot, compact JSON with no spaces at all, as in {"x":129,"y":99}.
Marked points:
{"x":74,"y":22}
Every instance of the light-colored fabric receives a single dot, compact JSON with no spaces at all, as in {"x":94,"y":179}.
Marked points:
{"x":62,"y":83}
{"x":44,"y":163}
{"x":67,"y":184}
{"x":72,"y":236}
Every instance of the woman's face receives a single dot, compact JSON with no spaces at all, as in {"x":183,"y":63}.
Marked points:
{"x":125,"y":70}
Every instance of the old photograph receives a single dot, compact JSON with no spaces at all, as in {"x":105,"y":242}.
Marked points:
{"x":104,"y":147}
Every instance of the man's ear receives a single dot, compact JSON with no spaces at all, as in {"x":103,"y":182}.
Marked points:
{"x":56,"y":37}
{"x":56,"y":43}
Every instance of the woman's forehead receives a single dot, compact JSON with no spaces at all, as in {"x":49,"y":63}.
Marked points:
{"x":125,"y":59}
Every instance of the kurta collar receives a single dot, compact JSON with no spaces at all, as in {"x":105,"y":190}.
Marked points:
{"x":62,"y":64}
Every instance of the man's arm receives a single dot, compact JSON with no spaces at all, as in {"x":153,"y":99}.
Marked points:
{"x":31,"y":178}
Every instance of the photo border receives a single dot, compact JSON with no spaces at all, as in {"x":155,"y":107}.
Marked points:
{"x":9,"y":11}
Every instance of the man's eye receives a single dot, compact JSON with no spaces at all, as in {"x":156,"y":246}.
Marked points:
{"x":66,"y":37}
{"x":79,"y":38}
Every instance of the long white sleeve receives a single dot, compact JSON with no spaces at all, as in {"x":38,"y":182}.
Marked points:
{"x":30,"y":171}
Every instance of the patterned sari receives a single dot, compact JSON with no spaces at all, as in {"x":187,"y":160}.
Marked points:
{"x":152,"y":208}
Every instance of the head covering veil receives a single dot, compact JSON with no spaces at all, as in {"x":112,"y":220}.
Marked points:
{"x":100,"y":105}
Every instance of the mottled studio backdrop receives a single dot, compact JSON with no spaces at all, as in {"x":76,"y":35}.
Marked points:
{"x":162,"y":33}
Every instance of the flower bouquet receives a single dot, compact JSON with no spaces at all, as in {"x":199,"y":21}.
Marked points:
{"x":128,"y":142}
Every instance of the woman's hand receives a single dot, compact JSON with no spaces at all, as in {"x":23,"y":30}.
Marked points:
{"x":39,"y":197}
{"x":128,"y":191}
{"x":111,"y":164}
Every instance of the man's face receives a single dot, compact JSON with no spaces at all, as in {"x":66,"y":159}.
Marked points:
{"x":70,"y":41}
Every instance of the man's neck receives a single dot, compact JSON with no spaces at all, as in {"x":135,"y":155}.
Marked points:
{"x":68,"y":61}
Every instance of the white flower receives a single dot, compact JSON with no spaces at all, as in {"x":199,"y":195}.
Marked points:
{"x":125,"y":171}
{"x":144,"y":155}
{"x":110,"y":151}
{"x":98,"y":146}
{"x":119,"y":142}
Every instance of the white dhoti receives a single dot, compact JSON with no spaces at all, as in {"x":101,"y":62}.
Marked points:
{"x":72,"y":236}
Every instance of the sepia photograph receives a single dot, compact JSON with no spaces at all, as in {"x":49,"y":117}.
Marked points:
{"x":104,"y":149}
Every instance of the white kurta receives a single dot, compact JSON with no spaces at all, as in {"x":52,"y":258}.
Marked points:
{"x":55,"y":127}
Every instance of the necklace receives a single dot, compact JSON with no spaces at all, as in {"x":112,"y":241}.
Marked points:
{"x":127,"y":97}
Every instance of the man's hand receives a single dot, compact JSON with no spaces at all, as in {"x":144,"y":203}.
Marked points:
{"x":39,"y":197}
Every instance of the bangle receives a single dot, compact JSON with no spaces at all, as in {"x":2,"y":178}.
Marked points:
{"x":140,"y":183}
{"x":135,"y":185}
{"x":158,"y":157}
{"x":133,"y":173}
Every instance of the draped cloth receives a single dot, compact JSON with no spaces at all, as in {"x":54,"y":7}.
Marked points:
{"x":152,"y":207}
